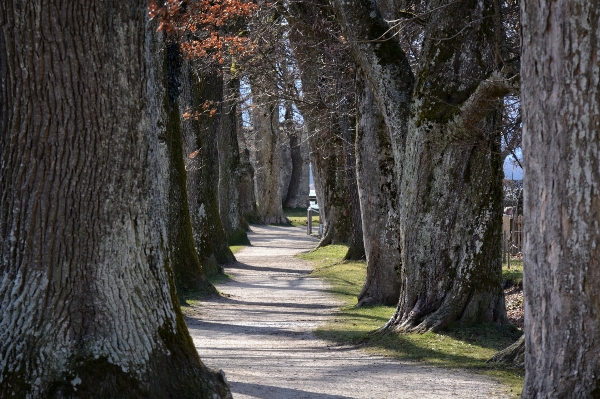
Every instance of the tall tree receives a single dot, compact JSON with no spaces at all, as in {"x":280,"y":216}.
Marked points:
{"x":200,"y":102}
{"x":86,"y":293}
{"x":561,"y":153}
{"x":265,"y":122}
{"x":230,"y":168}
{"x":347,"y":125}
{"x":188,"y":271}
{"x":444,"y":133}
{"x":247,"y":192}
{"x":296,"y":195}
{"x":327,"y":108}
{"x":378,"y":202}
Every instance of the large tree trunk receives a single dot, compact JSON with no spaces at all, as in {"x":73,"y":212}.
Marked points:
{"x":182,"y":253}
{"x":445,"y":143}
{"x":561,"y":153}
{"x":356,"y":250}
{"x":265,"y":118}
{"x":247,"y":191}
{"x":297,"y":189}
{"x":326,"y":122}
{"x":378,"y":202}
{"x":328,"y":165}
{"x":86,"y":294}
{"x":200,"y":133}
{"x":230,"y":209}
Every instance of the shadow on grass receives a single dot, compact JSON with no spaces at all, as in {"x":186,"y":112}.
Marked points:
{"x":189,"y":298}
{"x":456,"y":348}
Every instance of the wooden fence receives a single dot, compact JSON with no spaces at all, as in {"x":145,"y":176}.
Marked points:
{"x":512,"y":236}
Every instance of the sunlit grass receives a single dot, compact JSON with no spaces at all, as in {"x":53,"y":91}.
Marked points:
{"x":514,"y":275}
{"x":459,"y":348}
{"x":237,"y":248}
{"x":298,"y":217}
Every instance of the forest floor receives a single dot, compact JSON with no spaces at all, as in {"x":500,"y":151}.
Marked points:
{"x":260,"y":332}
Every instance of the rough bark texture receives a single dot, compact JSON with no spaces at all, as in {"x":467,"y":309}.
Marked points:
{"x":230,"y":208}
{"x":86,"y":294}
{"x":247,"y":192}
{"x":265,"y":117}
{"x":446,"y":159}
{"x":356,"y":250}
{"x":286,"y":167}
{"x":561,"y":152}
{"x":200,"y":147}
{"x":323,"y":118}
{"x":328,"y":168}
{"x":514,"y":355}
{"x":184,"y":258}
{"x":296,"y":195}
{"x":329,"y":176}
{"x":378,"y":202}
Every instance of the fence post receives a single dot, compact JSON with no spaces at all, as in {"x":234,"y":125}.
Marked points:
{"x":309,"y":221}
{"x":503,"y":246}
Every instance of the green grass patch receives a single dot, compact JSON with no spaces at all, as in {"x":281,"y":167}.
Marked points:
{"x":514,"y":275}
{"x":192,"y":298}
{"x":297,"y":217}
{"x":237,"y":248}
{"x":458,"y":348}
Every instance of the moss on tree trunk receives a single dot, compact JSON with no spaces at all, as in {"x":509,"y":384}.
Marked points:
{"x":445,"y":142}
{"x":230,"y":208}
{"x":184,"y":258}
{"x":89,"y":308}
{"x":202,"y":164}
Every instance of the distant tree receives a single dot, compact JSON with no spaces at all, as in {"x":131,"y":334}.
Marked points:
{"x":230,"y":166}
{"x":200,"y":103}
{"x":210,"y":37}
{"x":378,"y":192}
{"x":265,"y":125}
{"x":188,"y":271}
{"x":561,"y":154}
{"x":87,"y":296}
{"x":327,"y":104}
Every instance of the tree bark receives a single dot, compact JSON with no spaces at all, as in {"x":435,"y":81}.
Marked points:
{"x":86,"y":291}
{"x":187,"y":269}
{"x":200,"y":133}
{"x":514,"y":355}
{"x":325,"y":120}
{"x":297,"y":195}
{"x":561,"y":153}
{"x":265,"y":118}
{"x":445,"y":146}
{"x":356,"y":250}
{"x":328,"y":165}
{"x":378,"y":202}
{"x":247,"y":191}
{"x":230,"y":209}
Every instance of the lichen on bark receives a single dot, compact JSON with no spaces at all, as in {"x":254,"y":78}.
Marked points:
{"x":449,"y":215}
{"x":85,"y":294}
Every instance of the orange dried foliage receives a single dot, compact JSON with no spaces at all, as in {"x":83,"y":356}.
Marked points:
{"x":200,"y":26}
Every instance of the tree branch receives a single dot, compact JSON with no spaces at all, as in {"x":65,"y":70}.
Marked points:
{"x":490,"y":89}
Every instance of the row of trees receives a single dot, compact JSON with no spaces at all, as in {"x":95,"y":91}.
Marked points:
{"x":112,"y":135}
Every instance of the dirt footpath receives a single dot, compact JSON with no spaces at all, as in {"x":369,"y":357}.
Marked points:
{"x":260,"y":334}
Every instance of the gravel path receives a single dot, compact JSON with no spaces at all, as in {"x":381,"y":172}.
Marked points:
{"x":260,"y":334}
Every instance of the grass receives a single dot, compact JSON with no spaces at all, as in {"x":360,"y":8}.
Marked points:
{"x":237,"y":248}
{"x":458,"y":348}
{"x":193,"y":298}
{"x":514,"y":275}
{"x":297,"y":217}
